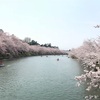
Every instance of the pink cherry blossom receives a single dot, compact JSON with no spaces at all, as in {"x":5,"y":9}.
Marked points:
{"x":12,"y":46}
{"x":89,"y":56}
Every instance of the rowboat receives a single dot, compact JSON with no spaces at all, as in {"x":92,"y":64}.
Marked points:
{"x":58,"y":59}
{"x":2,"y":65}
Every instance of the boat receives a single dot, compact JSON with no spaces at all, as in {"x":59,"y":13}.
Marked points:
{"x":2,"y":65}
{"x":58,"y":59}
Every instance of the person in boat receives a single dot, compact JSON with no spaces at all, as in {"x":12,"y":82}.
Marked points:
{"x":1,"y":62}
{"x":97,"y":65}
{"x":58,"y":59}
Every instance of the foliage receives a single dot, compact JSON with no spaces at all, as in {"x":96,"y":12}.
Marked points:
{"x":89,"y":56}
{"x":49,"y":45}
{"x":27,"y":40}
{"x":11,"y":47}
{"x":33,"y":42}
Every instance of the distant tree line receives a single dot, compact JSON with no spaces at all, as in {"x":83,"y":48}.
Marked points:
{"x":33,"y":42}
{"x":48,"y":45}
{"x":13,"y":47}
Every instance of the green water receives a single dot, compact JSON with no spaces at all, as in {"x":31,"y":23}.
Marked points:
{"x":40,"y":78}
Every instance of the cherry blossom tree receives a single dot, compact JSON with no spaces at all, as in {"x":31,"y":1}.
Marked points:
{"x":11,"y":46}
{"x":89,"y":56}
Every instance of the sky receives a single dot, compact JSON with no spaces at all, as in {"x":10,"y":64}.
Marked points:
{"x":63,"y":23}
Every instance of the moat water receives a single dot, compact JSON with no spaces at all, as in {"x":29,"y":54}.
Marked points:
{"x":41,"y":78}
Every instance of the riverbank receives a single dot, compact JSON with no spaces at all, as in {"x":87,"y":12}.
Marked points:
{"x":89,"y":56}
{"x":88,"y":53}
{"x":13,"y":47}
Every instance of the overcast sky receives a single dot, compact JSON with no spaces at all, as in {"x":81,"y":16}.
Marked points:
{"x":63,"y":23}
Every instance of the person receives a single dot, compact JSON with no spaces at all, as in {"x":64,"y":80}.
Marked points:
{"x":58,"y":59}
{"x":97,"y":65}
{"x":1,"y":62}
